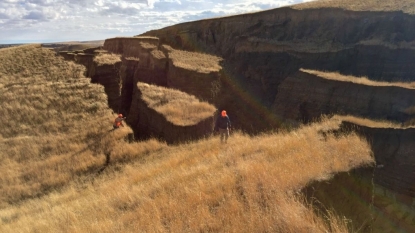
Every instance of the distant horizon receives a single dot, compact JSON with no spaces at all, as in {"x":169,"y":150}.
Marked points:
{"x":47,"y":42}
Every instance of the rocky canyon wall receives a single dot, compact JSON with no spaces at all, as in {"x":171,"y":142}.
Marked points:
{"x":368,"y":206}
{"x":263,"y":53}
{"x":266,"y":47}
{"x":197,"y":74}
{"x":394,"y":150}
{"x":304,"y":97}
{"x":380,"y":198}
{"x":151,"y":63}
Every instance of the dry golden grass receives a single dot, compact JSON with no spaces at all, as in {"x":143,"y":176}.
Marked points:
{"x":359,"y":80}
{"x":146,"y":45}
{"x":157,"y":54}
{"x":407,"y":6}
{"x":107,"y":59}
{"x":177,"y":107}
{"x":54,"y":123}
{"x":199,"y":62}
{"x":145,"y":37}
{"x":368,"y":122}
{"x":64,"y":170}
{"x":248,"y":185}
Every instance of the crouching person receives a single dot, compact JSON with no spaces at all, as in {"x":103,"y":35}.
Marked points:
{"x":118,"y":121}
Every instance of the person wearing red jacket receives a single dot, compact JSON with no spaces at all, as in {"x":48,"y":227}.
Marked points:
{"x":223,"y":124}
{"x":118,"y":121}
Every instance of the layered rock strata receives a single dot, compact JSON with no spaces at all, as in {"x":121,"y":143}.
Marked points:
{"x":266,"y":47}
{"x":194,"y":73}
{"x":304,"y":96}
{"x":379,"y":198}
{"x":394,"y":151}
{"x":107,"y":74}
{"x":145,"y":62}
{"x":127,"y":71}
{"x":129,"y":46}
{"x":369,"y":206}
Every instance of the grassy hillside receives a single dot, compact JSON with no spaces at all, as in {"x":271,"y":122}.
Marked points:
{"x":54,"y":123}
{"x":407,"y":6}
{"x":64,"y":170}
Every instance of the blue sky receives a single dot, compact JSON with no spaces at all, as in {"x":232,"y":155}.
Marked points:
{"x":33,"y":21}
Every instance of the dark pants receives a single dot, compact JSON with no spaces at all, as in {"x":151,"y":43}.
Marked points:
{"x":224,"y":134}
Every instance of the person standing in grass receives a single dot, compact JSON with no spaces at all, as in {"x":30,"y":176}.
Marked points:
{"x":118,"y":121}
{"x":223,"y":124}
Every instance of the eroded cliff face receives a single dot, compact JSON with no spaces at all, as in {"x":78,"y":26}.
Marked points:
{"x":164,"y":66}
{"x":305,"y":97}
{"x":108,"y":76}
{"x":151,"y":63}
{"x":378,"y":198}
{"x":394,"y":150}
{"x":127,"y":71}
{"x":130,"y":46}
{"x":264,"y":48}
{"x":370,"y":206}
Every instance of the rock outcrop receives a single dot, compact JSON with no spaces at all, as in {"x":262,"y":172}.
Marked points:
{"x":169,"y":114}
{"x":194,"y":73}
{"x":262,"y":49}
{"x":379,"y":198}
{"x":131,"y":46}
{"x":107,"y":74}
{"x":369,"y":206}
{"x":305,"y":96}
{"x":394,"y":150}
{"x":127,"y":71}
{"x":119,"y":70}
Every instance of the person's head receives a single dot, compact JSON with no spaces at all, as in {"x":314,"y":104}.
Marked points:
{"x":120,"y":115}
{"x":223,"y":114}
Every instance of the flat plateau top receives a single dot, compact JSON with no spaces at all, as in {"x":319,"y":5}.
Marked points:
{"x":177,"y":107}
